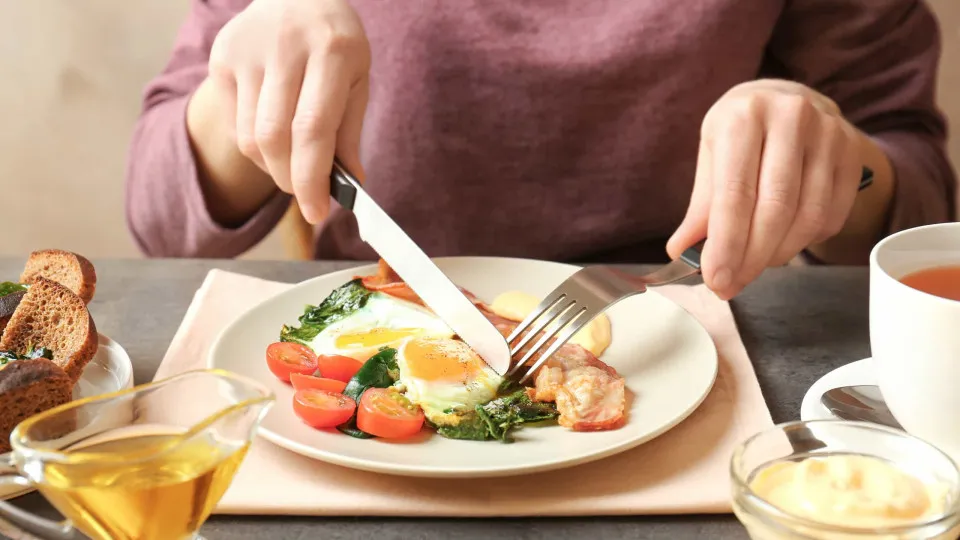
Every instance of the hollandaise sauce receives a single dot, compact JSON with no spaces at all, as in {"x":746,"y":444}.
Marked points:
{"x":121,"y":494}
{"x":849,"y":490}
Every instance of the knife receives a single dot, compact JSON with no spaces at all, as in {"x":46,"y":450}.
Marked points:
{"x":418,"y":271}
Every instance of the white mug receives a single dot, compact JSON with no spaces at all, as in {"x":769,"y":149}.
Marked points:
{"x":915,"y":336}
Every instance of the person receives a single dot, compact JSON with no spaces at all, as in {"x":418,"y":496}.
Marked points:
{"x":577,"y":131}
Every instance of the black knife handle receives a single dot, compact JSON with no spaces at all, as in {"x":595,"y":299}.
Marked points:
{"x":866,"y":178}
{"x":691,"y":255}
{"x":343,"y":186}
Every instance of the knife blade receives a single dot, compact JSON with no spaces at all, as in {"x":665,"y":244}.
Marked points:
{"x":436,"y":290}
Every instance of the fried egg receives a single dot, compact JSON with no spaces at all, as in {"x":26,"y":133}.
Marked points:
{"x":445,"y":377}
{"x":384,"y":321}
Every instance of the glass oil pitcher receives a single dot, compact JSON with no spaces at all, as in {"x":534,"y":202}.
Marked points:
{"x":149,"y":463}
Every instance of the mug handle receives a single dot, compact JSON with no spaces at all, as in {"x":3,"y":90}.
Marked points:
{"x":13,"y":520}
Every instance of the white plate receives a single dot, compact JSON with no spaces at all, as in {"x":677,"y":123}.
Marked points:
{"x":852,"y":374}
{"x":668,"y":360}
{"x":109,"y":371}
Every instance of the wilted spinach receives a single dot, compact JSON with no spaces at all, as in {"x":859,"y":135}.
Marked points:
{"x":380,"y":371}
{"x":342,"y":302}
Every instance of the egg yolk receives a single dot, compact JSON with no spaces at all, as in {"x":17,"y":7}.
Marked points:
{"x":441,"y":360}
{"x":374,"y":337}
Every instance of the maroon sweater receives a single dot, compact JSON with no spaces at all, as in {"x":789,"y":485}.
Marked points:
{"x":559,"y":130}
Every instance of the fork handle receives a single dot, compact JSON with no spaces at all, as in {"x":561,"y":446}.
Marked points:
{"x":692,"y":254}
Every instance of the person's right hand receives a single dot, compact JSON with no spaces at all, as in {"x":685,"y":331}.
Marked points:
{"x":297,"y":74}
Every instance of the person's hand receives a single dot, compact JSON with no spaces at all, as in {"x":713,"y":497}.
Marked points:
{"x":778,"y":170}
{"x":296,"y":72}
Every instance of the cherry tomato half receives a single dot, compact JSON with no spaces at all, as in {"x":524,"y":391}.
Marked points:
{"x":284,"y":358}
{"x":387,"y":413}
{"x":322,"y":409}
{"x":339,"y":368}
{"x":301,"y":381}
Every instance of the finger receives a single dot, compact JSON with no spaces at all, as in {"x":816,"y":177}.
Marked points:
{"x":778,"y":189}
{"x":814,"y":208}
{"x":693,"y":228}
{"x":226,"y":89}
{"x":248,"y":93}
{"x":320,"y":109}
{"x":278,"y":102}
{"x":736,"y":162}
{"x":348,"y":136}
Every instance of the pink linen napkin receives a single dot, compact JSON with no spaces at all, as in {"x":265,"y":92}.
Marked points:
{"x":683,"y":471}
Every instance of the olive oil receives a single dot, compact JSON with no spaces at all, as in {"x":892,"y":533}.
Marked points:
{"x":143,"y":485}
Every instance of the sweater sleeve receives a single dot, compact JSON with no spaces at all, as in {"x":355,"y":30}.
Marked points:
{"x":165,"y":207}
{"x":878,"y":60}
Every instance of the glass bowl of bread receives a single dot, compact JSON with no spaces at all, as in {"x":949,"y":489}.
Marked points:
{"x":48,"y":335}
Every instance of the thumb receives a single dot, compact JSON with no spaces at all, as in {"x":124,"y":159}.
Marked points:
{"x":348,"y":136}
{"x":693,"y":228}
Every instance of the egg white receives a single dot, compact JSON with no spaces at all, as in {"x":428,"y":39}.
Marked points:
{"x":444,"y":401}
{"x":381,"y":313}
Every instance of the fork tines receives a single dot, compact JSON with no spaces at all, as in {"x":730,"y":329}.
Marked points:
{"x":566,"y":317}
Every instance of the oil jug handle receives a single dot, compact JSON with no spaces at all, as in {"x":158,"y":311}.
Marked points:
{"x":22,"y":525}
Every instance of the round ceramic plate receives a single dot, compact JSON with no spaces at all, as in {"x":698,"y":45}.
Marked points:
{"x":109,"y":371}
{"x":668,"y":360}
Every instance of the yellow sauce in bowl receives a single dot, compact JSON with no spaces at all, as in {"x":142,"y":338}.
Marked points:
{"x":850,"y":490}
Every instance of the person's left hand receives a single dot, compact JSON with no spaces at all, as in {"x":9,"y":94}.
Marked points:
{"x":778,"y":170}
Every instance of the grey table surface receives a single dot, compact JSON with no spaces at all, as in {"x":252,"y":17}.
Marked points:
{"x":797,"y":324}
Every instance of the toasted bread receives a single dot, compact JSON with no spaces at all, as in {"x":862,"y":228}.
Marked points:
{"x":28,"y":387}
{"x":8,"y":304}
{"x":69,"y":269}
{"x":50,"y":315}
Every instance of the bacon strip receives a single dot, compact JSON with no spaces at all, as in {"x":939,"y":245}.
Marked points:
{"x":590,"y":395}
{"x":388,"y":282}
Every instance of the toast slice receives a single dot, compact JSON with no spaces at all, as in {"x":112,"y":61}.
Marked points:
{"x":8,"y":304}
{"x":69,"y":269}
{"x":28,"y":387}
{"x":52,"y":316}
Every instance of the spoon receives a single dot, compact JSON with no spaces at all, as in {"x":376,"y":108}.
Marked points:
{"x":862,"y":403}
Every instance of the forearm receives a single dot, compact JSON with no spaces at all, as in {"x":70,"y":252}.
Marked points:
{"x":869,"y":216}
{"x":234,"y":188}
{"x":878,"y":61}
{"x":165,"y":208}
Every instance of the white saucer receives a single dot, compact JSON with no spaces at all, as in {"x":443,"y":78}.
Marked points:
{"x":854,"y":373}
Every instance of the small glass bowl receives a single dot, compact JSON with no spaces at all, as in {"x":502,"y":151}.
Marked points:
{"x":820,"y":438}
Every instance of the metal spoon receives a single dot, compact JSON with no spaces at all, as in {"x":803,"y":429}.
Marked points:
{"x":863,"y":403}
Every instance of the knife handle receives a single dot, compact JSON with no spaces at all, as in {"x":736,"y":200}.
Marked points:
{"x":343,"y":186}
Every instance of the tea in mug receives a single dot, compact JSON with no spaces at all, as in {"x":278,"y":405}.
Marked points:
{"x":942,"y":281}
{"x":165,"y":494}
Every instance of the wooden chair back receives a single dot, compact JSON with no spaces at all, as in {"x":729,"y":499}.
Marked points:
{"x":296,"y":233}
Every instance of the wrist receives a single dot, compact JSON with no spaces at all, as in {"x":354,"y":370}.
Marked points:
{"x":234,"y":188}
{"x":869,"y":217}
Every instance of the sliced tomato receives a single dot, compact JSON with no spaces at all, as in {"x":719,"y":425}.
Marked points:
{"x":322,"y":409}
{"x":301,"y":381}
{"x":387,"y":413}
{"x":284,"y":358}
{"x":336,"y":367}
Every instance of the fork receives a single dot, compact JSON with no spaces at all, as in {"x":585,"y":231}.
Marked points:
{"x":588,"y":293}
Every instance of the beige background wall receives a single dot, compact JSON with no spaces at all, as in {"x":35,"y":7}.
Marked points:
{"x":73,"y":71}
